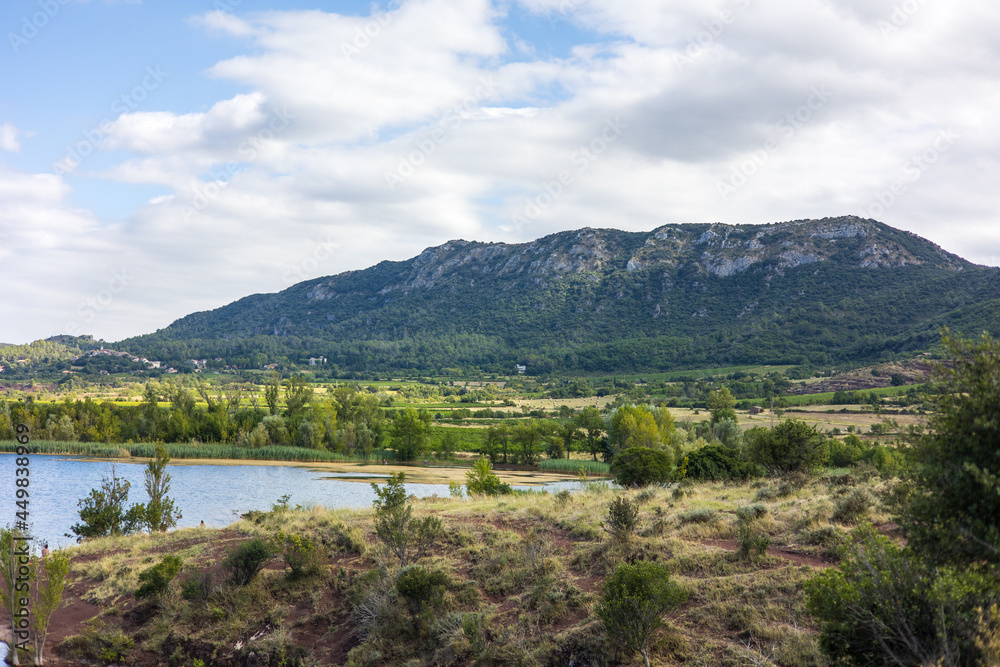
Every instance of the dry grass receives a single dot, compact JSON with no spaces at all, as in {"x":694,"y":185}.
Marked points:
{"x":524,"y":573}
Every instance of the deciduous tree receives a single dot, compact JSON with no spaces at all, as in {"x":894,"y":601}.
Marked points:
{"x":161,"y":514}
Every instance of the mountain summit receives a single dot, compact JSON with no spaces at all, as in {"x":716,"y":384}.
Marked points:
{"x":807,"y":291}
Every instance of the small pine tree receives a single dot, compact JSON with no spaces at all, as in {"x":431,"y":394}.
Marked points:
{"x":634,"y":600}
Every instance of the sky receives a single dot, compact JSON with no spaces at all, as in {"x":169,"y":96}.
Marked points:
{"x":161,"y":157}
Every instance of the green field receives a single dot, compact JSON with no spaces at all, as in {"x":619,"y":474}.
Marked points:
{"x":824,"y":398}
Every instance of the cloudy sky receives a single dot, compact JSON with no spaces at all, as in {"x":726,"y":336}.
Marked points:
{"x":167,"y":156}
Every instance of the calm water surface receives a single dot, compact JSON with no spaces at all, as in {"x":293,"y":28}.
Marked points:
{"x":215,"y":494}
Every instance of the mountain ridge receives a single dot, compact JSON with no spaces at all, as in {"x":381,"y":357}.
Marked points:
{"x":579,"y":290}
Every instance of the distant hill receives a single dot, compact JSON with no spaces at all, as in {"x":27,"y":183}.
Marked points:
{"x":604,"y":300}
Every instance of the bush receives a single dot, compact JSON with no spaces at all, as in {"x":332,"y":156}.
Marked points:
{"x":104,"y":511}
{"x":348,"y":539}
{"x":751,"y":540}
{"x":98,"y":642}
{"x":197,"y":587}
{"x":421,"y":589}
{"x":635,"y":597}
{"x":853,"y":507}
{"x":300,"y":554}
{"x":155,"y":581}
{"x":883,"y":606}
{"x":794,"y":481}
{"x":246,"y":560}
{"x":641,"y":466}
{"x":847,"y":451}
{"x":954,"y":510}
{"x":623,"y":517}
{"x":719,"y":464}
{"x":700,"y":515}
{"x":408,"y":539}
{"x":751,"y":512}
{"x":481,"y":480}
{"x":827,"y":536}
{"x":790,"y":446}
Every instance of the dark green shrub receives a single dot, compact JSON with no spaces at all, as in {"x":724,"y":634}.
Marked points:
{"x":104,"y":511}
{"x":853,"y":507}
{"x":751,"y":540}
{"x":246,"y":560}
{"x":953,"y":511}
{"x":719,"y":464}
{"x":155,"y":581}
{"x":634,"y":599}
{"x":623,"y":517}
{"x":197,"y":587}
{"x":421,"y":588}
{"x":641,"y":466}
{"x":847,"y":451}
{"x":884,"y":606}
{"x":790,"y":446}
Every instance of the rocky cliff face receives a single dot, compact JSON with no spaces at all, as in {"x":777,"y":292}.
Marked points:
{"x":718,"y":250}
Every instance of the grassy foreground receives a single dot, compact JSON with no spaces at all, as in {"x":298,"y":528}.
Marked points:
{"x":523,"y":577}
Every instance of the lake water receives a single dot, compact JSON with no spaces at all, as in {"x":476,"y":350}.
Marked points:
{"x":215,"y":494}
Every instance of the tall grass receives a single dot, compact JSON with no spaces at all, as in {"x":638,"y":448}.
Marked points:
{"x":186,"y":451}
{"x":574,"y":465}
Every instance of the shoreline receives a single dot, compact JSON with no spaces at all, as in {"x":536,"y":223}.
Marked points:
{"x":416,"y":474}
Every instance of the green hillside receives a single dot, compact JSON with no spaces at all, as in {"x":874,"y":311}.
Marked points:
{"x":601,"y":300}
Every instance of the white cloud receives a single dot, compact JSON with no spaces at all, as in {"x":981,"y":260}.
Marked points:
{"x":8,"y":138}
{"x":478,"y":128}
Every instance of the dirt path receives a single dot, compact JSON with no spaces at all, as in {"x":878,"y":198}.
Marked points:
{"x":794,"y":556}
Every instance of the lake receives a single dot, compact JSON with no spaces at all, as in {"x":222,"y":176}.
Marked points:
{"x":215,"y":494}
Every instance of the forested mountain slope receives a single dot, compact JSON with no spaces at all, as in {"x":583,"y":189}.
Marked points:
{"x":809,"y":291}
